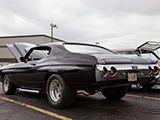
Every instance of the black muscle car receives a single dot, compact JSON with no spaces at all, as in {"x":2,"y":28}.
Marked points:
{"x":61,"y":69}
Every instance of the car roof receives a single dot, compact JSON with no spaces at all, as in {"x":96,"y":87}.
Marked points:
{"x":20,"y":49}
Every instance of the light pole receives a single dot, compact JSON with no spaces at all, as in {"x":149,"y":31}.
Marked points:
{"x":53,"y":26}
{"x":97,"y":43}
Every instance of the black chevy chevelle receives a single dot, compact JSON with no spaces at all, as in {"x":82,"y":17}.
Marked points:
{"x":61,"y":69}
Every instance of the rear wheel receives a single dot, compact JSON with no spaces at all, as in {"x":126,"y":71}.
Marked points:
{"x":130,"y":86}
{"x":59,"y":93}
{"x":115,"y":93}
{"x":8,"y":87}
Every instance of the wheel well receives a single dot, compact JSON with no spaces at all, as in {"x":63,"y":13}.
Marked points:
{"x":48,"y":75}
{"x":3,"y":76}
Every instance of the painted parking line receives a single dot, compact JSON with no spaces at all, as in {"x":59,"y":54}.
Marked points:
{"x":146,"y":97}
{"x":37,"y":109}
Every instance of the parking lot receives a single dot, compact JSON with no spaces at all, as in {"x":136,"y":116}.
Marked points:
{"x":138,"y":104}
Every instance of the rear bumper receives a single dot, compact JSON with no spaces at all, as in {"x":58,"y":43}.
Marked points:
{"x":108,"y":84}
{"x":123,"y":72}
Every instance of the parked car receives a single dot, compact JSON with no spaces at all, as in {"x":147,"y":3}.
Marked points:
{"x":146,"y":50}
{"x":60,"y":69}
{"x":130,"y":52}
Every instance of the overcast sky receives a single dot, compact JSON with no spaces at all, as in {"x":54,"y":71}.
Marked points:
{"x":112,"y":23}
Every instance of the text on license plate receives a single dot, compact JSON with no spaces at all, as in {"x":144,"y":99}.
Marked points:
{"x":132,"y":76}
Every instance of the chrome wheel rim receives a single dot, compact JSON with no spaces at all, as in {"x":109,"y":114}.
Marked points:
{"x":55,"y":90}
{"x":6,"y":84}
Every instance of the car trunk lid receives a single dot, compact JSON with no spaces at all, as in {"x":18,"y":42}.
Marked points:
{"x":149,"y":45}
{"x":122,"y":59}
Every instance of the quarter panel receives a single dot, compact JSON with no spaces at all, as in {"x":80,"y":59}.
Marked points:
{"x":70,"y":73}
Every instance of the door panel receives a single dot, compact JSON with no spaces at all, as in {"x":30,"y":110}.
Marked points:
{"x":24,"y":74}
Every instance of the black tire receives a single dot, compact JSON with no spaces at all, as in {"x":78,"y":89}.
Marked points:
{"x":59,"y":94}
{"x":129,"y":87}
{"x":8,"y":87}
{"x":115,"y":93}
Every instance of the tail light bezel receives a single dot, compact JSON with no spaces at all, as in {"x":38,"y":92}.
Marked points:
{"x":155,"y":70}
{"x":105,"y":71}
{"x":113,"y":71}
{"x":150,"y":70}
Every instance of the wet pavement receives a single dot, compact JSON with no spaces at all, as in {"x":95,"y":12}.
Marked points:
{"x":138,"y":104}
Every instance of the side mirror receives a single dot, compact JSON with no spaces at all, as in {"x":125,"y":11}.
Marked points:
{"x":22,"y":59}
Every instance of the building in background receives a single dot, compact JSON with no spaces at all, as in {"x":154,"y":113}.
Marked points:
{"x":7,"y":57}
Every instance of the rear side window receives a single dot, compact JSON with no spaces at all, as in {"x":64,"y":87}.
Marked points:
{"x":39,"y":54}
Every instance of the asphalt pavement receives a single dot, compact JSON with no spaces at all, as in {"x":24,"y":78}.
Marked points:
{"x":138,"y":104}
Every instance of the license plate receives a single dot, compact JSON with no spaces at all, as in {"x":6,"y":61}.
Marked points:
{"x":132,"y":76}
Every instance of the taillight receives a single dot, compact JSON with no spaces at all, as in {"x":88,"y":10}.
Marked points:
{"x":105,"y":71}
{"x":113,"y":71}
{"x":156,"y":69}
{"x":149,"y":69}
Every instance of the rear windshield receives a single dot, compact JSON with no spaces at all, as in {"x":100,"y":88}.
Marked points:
{"x":87,"y":49}
{"x":149,"y":55}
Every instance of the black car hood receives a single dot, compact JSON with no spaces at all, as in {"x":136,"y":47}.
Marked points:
{"x":121,"y":59}
{"x":19,"y":49}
